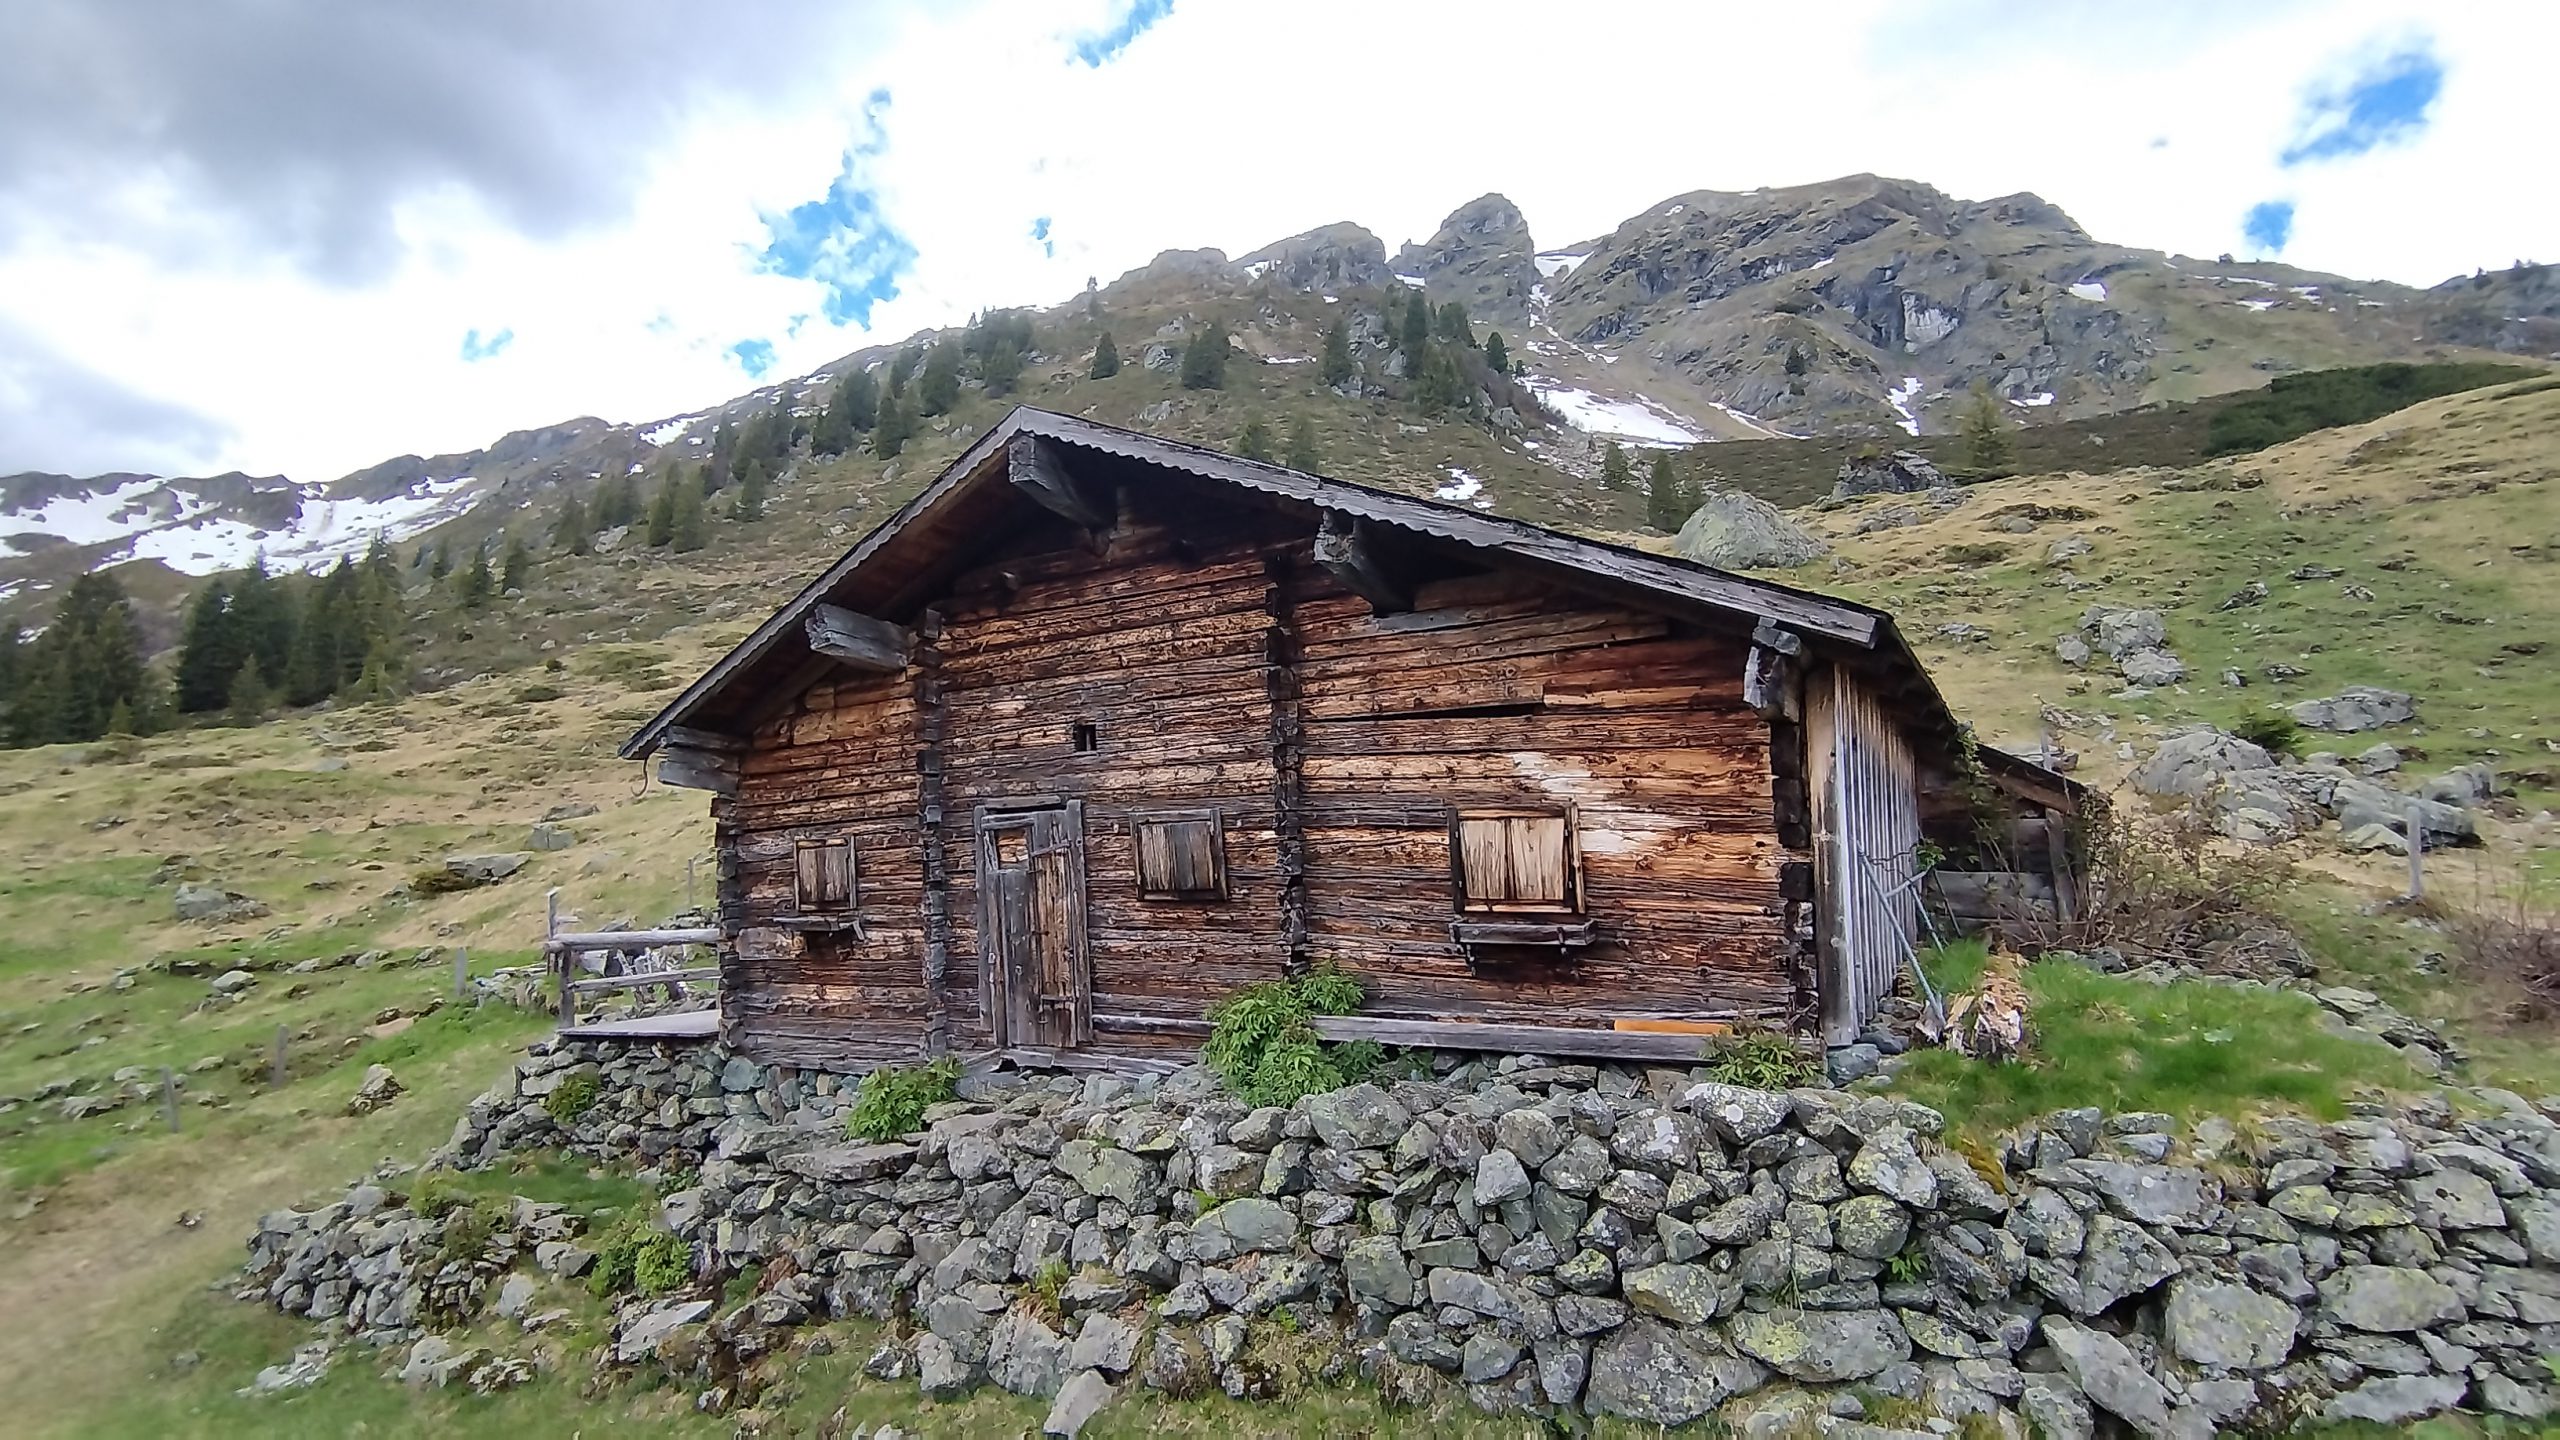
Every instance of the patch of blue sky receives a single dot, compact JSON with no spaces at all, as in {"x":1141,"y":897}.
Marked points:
{"x":476,"y":348}
{"x":844,"y":242}
{"x":2268,"y":225}
{"x":2383,"y":102}
{"x":1040,"y":236}
{"x":1097,"y":48}
{"x":753,"y":356}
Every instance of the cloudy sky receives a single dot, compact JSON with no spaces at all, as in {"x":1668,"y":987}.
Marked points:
{"x":305,"y":235}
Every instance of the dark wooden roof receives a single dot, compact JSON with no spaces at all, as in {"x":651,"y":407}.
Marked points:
{"x":892,"y":571}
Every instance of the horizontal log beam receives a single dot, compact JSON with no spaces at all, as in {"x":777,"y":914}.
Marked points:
{"x":629,"y":939}
{"x":858,"y":640}
{"x":698,"y":974}
{"x":1348,"y":549}
{"x":1515,"y":1039}
{"x":714,"y":741}
{"x":689,"y":769}
{"x":1040,"y":472}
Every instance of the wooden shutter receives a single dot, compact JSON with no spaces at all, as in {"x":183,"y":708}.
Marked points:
{"x":822,"y":876}
{"x":1182,"y":855}
{"x":1516,"y":859}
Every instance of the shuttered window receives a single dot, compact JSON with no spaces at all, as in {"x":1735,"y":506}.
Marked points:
{"x":1182,"y":855}
{"x":822,"y":877}
{"x":1516,"y":860}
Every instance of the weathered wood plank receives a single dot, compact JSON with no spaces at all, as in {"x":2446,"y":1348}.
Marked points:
{"x":1039,"y":470}
{"x":858,"y":640}
{"x":1517,"y":1039}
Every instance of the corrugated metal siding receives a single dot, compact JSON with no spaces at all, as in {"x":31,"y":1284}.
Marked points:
{"x":1866,"y":834}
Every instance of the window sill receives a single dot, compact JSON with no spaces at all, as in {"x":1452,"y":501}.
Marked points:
{"x":821,"y":924}
{"x":1566,"y":938}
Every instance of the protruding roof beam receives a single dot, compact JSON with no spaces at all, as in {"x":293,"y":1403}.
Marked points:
{"x":857,"y":640}
{"x":1038,"y":470}
{"x":1349,"y":549}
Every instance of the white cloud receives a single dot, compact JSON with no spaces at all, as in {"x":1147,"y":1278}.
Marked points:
{"x":1232,"y":125}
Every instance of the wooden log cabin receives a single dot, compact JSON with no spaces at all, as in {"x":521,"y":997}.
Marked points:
{"x":1101,"y":727}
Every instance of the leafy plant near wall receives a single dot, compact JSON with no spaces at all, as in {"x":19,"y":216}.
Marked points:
{"x":893,"y":1099}
{"x":1763,"y":1060}
{"x":1261,"y":1044}
{"x":571,"y":1099}
{"x":635,"y":1255}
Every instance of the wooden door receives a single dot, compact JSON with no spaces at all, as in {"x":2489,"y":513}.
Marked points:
{"x":1031,"y":903}
{"x":1867,"y":835}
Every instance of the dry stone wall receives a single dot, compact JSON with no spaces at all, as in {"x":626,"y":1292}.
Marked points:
{"x":1551,"y":1238}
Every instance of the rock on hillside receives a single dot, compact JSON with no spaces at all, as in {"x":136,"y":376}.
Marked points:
{"x":1481,"y":256}
{"x":1734,"y":530}
{"x":1329,"y":257}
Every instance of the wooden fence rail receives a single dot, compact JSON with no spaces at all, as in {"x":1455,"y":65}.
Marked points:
{"x":560,"y":949}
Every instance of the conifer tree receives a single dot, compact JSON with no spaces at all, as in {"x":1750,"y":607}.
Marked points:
{"x":249,"y":699}
{"x":1336,"y":367}
{"x":850,"y":413}
{"x":902,"y":368}
{"x":1663,"y":496}
{"x":1615,"y":474}
{"x":1986,"y":431}
{"x":1440,"y":386}
{"x":1001,"y":370}
{"x":1254,"y":441}
{"x":1204,"y":360}
{"x":938,"y":389}
{"x":442,"y":564}
{"x":1106,"y":357}
{"x":84,"y":667}
{"x":1497,"y":357}
{"x":518,"y":567}
{"x":477,"y":584}
{"x":210,"y":649}
{"x":12,"y":643}
{"x":1303,"y":454}
{"x":897,"y":426}
{"x":331,"y":626}
{"x":749,"y":506}
{"x":662,"y":510}
{"x":1798,"y":361}
{"x":264,"y":612}
{"x":571,"y":531}
{"x":1453,"y":324}
{"x":1417,"y":331}
{"x":691,"y":529}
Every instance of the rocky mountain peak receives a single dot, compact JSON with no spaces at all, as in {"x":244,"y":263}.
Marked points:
{"x":1329,"y":257}
{"x":1482,"y":256}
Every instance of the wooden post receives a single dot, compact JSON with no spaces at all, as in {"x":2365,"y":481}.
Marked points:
{"x":688,"y":882}
{"x":558,"y":959}
{"x":2417,"y":851}
{"x":275,"y":1065}
{"x":461,"y":973}
{"x":169,"y":1096}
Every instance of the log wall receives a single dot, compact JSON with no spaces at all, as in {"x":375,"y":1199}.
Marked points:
{"x":1500,"y":691}
{"x":1212,"y":664}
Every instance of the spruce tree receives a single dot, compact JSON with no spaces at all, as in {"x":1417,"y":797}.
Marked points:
{"x":1303,"y":454}
{"x":1497,"y":357}
{"x":331,"y":625}
{"x":1106,"y":357}
{"x":477,"y":584}
{"x":249,"y":699}
{"x":1336,"y":367}
{"x":1986,"y":431}
{"x":938,"y":389}
{"x":1798,"y":361}
{"x":572,"y":531}
{"x":691,"y":530}
{"x":210,"y":649}
{"x":1615,"y":474}
{"x":1204,"y":360}
{"x":897,"y":426}
{"x":901,"y":369}
{"x":1254,"y":441}
{"x":662,"y":510}
{"x":1417,"y":331}
{"x":442,"y":565}
{"x":1001,"y":370}
{"x":850,"y":414}
{"x":1453,"y":324}
{"x":263,"y":609}
{"x":518,"y":568}
{"x":1440,"y":386}
{"x":749,"y":505}
{"x":1663,"y":496}
{"x":86,"y":665}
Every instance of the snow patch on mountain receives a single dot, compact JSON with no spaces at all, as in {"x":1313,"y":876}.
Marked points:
{"x":1901,"y":397}
{"x":667,"y":430}
{"x":2089,"y":289}
{"x":1641,"y":421}
{"x":1462,"y":488}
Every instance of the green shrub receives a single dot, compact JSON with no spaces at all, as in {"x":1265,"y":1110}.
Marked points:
{"x":2295,"y":405}
{"x":893,"y":1099}
{"x":471,"y":1224}
{"x":635,"y":1255}
{"x":438,"y":880}
{"x":1975,"y":552}
{"x":2273,"y":732}
{"x":1261,"y":1045}
{"x":539,"y":694}
{"x":1047,"y":1285}
{"x":572,"y":1098}
{"x":1762,"y":1060}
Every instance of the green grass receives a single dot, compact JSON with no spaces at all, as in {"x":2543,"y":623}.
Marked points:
{"x":2189,"y":1049}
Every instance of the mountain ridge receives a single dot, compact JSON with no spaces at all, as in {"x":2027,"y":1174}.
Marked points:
{"x":1864,"y":306}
